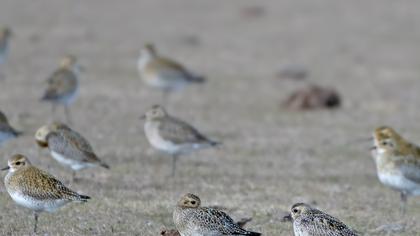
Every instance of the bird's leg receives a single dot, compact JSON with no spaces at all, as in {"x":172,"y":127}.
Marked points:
{"x":36,"y":221}
{"x":403,"y":196}
{"x":73,"y":177}
{"x":68,"y":117}
{"x":174,"y":159}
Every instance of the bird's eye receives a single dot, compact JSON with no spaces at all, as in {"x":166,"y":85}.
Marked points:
{"x":384,"y":143}
{"x":193,"y":202}
{"x":18,"y":163}
{"x":295,"y":210}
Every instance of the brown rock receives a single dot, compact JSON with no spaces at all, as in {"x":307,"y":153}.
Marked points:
{"x":313,"y":97}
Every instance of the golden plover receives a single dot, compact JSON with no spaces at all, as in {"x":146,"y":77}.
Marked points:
{"x":63,"y":85}
{"x":35,"y":189}
{"x":6,"y":131}
{"x":397,"y":163}
{"x":171,"y":135}
{"x":163,"y":73}
{"x":308,"y":221}
{"x":193,"y":220}
{"x":68,"y":147}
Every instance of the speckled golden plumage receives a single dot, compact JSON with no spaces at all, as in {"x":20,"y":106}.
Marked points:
{"x":191,"y":219}
{"x":308,"y":221}
{"x":36,"y":189}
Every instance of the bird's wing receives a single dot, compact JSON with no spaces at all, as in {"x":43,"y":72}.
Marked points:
{"x":61,"y":83}
{"x":180,"y":132}
{"x":170,"y":70}
{"x":217,"y":221}
{"x":71,"y":144}
{"x":44,"y":186}
{"x":410,"y":164}
{"x":331,"y":226}
{"x":410,"y":168}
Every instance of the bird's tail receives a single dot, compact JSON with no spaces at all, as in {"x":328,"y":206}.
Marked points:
{"x":83,"y":198}
{"x":197,"y":79}
{"x":214,"y":143}
{"x":250,"y":233}
{"x":17,"y":133}
{"x":104,"y":165}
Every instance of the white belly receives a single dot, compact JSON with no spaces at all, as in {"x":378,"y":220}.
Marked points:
{"x":36,"y":204}
{"x":74,"y":164}
{"x":158,"y":142}
{"x":400,"y":183}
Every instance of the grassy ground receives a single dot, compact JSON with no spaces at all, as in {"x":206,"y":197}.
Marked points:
{"x":271,"y":158}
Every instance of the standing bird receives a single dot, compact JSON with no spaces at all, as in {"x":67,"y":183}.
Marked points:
{"x":6,"y":131}
{"x":191,"y":219}
{"x":5,"y":34}
{"x":163,"y":73}
{"x":171,"y":135}
{"x":63,"y":85}
{"x":36,"y":189}
{"x":397,"y":163}
{"x":68,"y":147}
{"x":308,"y":221}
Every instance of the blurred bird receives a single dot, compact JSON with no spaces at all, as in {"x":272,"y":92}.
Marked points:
{"x":191,"y":219}
{"x":308,"y":221}
{"x":5,"y":34}
{"x":397,"y":163}
{"x":63,"y":85}
{"x":68,"y":147}
{"x":163,"y":73}
{"x":6,"y":131}
{"x":35,"y":189}
{"x":171,"y":135}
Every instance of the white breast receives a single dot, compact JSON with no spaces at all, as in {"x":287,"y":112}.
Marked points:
{"x":152,"y":134}
{"x":36,"y":204}
{"x":74,"y":164}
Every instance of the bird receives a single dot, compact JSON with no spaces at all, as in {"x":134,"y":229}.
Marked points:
{"x":5,"y":34}
{"x":6,"y":131}
{"x":191,"y":219}
{"x":397,"y":163}
{"x":172,"y":135}
{"x":63,"y":85}
{"x":163,"y":73}
{"x":68,"y":147}
{"x":36,"y":189}
{"x":308,"y":221}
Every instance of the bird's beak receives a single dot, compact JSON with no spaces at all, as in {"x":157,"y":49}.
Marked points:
{"x":287,"y":218}
{"x":5,"y":168}
{"x":372,"y":148}
{"x":143,"y":117}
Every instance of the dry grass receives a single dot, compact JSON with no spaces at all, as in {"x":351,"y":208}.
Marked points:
{"x":271,"y":158}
